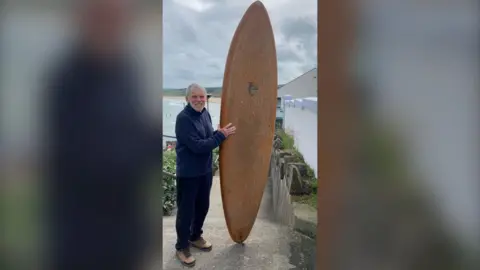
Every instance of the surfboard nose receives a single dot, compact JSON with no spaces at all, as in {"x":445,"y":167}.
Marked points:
{"x":258,"y":3}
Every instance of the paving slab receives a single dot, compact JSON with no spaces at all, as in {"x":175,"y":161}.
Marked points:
{"x":270,"y":246}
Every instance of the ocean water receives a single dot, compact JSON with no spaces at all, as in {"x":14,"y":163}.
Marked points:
{"x":172,"y":107}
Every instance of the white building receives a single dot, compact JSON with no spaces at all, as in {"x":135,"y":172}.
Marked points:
{"x":300,"y":114}
{"x":302,"y":86}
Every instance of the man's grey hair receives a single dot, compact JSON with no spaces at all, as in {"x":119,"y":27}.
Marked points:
{"x":192,"y":86}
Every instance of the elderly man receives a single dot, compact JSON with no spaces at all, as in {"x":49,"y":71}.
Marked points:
{"x":196,"y":140}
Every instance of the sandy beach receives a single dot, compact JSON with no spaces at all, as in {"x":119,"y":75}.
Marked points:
{"x":211,"y":100}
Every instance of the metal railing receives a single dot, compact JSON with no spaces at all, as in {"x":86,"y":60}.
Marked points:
{"x":170,"y":137}
{"x":165,"y":172}
{"x":173,"y":175}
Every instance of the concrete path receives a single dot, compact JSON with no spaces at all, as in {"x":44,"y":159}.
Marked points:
{"x":270,"y":246}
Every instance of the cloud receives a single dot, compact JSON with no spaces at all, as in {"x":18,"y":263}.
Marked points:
{"x":197,"y":36}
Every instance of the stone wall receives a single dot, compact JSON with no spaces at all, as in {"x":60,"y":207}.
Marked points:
{"x":287,"y":178}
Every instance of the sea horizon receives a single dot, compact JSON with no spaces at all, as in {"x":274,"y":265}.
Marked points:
{"x":173,"y":106}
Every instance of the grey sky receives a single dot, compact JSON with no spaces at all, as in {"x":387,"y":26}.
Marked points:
{"x":197,"y":35}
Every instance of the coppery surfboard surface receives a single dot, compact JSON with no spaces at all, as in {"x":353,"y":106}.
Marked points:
{"x":249,"y":97}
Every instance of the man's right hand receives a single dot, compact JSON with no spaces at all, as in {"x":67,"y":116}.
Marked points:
{"x":228,"y":130}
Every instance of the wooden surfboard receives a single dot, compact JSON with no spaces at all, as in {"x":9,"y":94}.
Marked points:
{"x":249,"y":97}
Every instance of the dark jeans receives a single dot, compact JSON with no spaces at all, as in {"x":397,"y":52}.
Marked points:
{"x":193,"y":201}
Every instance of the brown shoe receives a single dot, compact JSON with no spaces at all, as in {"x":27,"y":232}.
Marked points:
{"x":201,"y":244}
{"x":186,"y":257}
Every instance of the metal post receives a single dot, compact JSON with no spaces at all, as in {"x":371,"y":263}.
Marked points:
{"x":208,"y":98}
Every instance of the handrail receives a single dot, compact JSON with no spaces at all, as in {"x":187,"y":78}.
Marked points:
{"x":170,"y":174}
{"x":165,"y":172}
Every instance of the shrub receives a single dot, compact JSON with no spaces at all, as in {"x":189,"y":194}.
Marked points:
{"x":169,"y":182}
{"x":287,"y":141}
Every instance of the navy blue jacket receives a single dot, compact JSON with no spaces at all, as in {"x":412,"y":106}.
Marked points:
{"x":195,"y":142}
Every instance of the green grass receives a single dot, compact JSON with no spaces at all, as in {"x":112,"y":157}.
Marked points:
{"x":288,"y":143}
{"x":310,"y":200}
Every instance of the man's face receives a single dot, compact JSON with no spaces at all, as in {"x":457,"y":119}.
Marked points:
{"x":197,"y":99}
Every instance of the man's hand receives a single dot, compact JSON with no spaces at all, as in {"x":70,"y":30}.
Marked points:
{"x":227,"y":130}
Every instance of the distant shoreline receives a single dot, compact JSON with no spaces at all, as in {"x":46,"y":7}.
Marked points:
{"x":216,"y":100}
